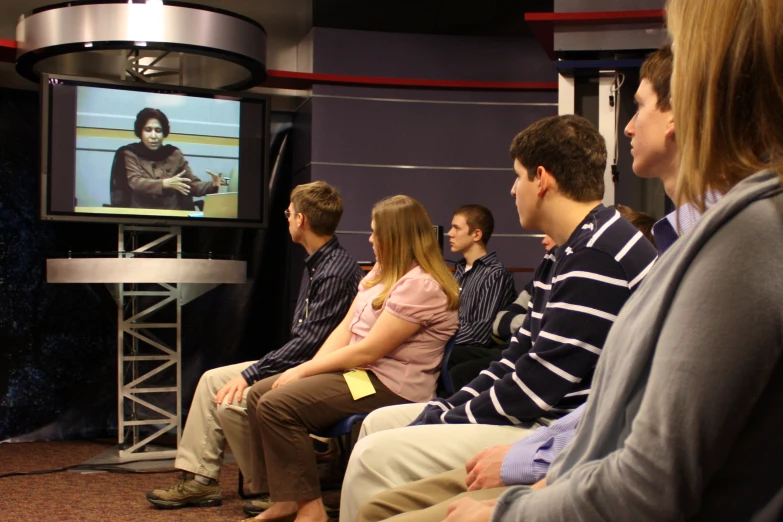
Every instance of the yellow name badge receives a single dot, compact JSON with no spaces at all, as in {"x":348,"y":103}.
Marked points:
{"x":359,"y":383}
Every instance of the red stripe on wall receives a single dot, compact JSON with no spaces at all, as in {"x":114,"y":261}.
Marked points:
{"x":599,"y":17}
{"x":298,"y":80}
{"x":7,"y":50}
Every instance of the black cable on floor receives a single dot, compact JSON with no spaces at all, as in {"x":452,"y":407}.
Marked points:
{"x":108,"y":468}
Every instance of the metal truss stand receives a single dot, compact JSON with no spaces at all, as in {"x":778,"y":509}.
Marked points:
{"x":148,"y":363}
{"x":150,"y":287}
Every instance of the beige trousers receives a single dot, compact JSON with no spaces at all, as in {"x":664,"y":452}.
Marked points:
{"x":424,"y":500}
{"x":390,"y":454}
{"x":209,"y":426}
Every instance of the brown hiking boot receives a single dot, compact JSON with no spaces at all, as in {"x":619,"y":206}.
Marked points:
{"x":188,"y":492}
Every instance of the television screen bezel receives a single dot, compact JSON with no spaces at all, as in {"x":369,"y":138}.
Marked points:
{"x":47,"y":214}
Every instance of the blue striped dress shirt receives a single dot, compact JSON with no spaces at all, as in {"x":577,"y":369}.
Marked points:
{"x":484,"y":290}
{"x":529,"y":458}
{"x":329,"y":284}
{"x":667,"y":230}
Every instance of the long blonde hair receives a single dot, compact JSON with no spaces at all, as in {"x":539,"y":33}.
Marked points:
{"x":727,"y":92}
{"x":404,"y":234}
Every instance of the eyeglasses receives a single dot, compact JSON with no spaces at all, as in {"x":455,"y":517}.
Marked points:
{"x":287,"y":213}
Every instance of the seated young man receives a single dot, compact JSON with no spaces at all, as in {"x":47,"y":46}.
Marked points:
{"x":506,"y":323}
{"x":218,"y":411}
{"x":547,"y":370}
{"x":486,"y":286}
{"x":488,"y":473}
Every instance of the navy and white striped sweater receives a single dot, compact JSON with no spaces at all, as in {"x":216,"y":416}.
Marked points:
{"x":546,"y":371}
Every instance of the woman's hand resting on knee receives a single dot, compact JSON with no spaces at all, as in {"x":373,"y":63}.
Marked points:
{"x":290,"y":375}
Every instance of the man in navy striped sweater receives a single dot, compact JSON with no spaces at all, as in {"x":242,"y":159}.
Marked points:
{"x":546,"y":372}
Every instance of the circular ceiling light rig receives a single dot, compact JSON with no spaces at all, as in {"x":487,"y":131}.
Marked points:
{"x":157,"y":41}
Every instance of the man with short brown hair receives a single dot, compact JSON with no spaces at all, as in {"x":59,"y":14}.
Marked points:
{"x":218,"y":411}
{"x":486,"y":287}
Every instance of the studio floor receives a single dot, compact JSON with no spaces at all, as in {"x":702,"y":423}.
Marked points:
{"x":74,"y":496}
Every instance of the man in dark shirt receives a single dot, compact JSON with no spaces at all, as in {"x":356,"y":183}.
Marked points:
{"x":486,"y":287}
{"x":218,"y":411}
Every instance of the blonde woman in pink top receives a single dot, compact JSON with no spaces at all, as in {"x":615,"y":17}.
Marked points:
{"x":399,"y":323}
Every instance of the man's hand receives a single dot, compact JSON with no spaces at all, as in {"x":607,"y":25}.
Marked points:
{"x":289,"y":376}
{"x":216,"y":179}
{"x":234,"y":389}
{"x":484,"y":469}
{"x":541,"y":484}
{"x":178,"y":183}
{"x":469,"y":510}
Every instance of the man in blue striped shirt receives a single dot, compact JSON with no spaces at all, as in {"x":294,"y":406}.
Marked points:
{"x":486,"y":287}
{"x":218,"y":411}
{"x":546,"y":372}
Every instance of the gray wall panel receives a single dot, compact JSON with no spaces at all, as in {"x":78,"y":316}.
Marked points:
{"x":302,"y":136}
{"x":575,"y":6}
{"x":358,"y":245}
{"x":512,"y":97}
{"x":440,"y":191}
{"x":610,"y":37}
{"x":435,"y":57}
{"x":431,"y":135}
{"x":513,"y":252}
{"x":297,"y":253}
{"x":359,"y":132}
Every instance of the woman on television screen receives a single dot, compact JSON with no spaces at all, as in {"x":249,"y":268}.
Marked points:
{"x":149,"y":174}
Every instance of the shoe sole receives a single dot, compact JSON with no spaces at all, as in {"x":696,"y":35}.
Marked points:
{"x":254,"y":512}
{"x":173,"y":504}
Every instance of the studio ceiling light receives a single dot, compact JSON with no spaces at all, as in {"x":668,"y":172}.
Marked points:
{"x":157,"y":41}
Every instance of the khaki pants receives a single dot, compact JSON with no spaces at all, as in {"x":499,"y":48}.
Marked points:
{"x":424,"y":500}
{"x":204,"y":437}
{"x":390,"y":454}
{"x":282,"y":419}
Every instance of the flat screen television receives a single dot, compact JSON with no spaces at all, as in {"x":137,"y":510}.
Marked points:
{"x":125,"y":152}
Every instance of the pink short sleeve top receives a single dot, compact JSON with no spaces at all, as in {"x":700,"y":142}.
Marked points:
{"x":411,"y":370}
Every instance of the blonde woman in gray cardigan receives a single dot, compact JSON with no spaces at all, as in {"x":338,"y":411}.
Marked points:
{"x":684,"y":418}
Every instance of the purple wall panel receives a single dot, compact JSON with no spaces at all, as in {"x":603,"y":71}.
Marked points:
{"x":297,"y":253}
{"x":382,"y":126}
{"x":440,"y":191}
{"x":302,"y":136}
{"x":358,"y":245}
{"x":421,"y":134}
{"x":436,"y":57}
{"x":571,"y":6}
{"x":436,"y":94}
{"x":513,"y":252}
